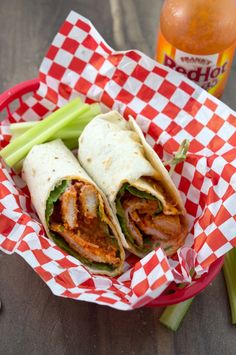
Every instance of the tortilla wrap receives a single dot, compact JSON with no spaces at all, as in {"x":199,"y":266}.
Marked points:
{"x":141,"y":193}
{"x":73,"y":210}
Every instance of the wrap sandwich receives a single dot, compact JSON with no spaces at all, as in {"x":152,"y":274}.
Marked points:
{"x":141,"y":193}
{"x":73,"y":210}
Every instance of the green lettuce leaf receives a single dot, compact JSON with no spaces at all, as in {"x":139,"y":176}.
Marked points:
{"x":148,"y":244}
{"x":179,"y":156}
{"x":61,"y":243}
{"x":137,"y":193}
{"x":53,"y":197}
{"x":141,"y":194}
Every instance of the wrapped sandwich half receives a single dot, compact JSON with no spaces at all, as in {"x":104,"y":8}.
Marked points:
{"x":136,"y":183}
{"x":73,"y":210}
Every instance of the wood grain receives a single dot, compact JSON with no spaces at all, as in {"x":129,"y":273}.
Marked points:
{"x":32,"y":320}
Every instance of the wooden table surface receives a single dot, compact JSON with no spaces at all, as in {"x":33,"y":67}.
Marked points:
{"x":32,"y":320}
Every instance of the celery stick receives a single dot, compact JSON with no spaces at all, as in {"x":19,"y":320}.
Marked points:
{"x":70,"y":130}
{"x":229,"y":269}
{"x":21,"y":127}
{"x":68,"y":133}
{"x":78,"y":125}
{"x":68,"y":110}
{"x":94,"y":110}
{"x":16,"y":129}
{"x":21,"y":152}
{"x":173,"y":315}
{"x":42,"y":132}
{"x":18,"y":166}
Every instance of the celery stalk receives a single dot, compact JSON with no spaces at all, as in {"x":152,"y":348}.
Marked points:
{"x":21,"y":127}
{"x":173,"y":315}
{"x":68,"y":110}
{"x":71,"y":131}
{"x":43,"y":131}
{"x":229,"y":269}
{"x":94,"y":110}
{"x":68,"y":133}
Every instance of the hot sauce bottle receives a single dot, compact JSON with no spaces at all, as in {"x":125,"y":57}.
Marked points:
{"x":197,"y":38}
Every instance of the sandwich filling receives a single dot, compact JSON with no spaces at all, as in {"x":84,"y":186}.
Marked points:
{"x":148,"y":221}
{"x":78,"y":223}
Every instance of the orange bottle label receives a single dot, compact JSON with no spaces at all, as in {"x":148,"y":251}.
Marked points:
{"x":208,"y":71}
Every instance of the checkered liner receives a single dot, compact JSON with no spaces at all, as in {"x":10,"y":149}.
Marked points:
{"x":168,"y":108}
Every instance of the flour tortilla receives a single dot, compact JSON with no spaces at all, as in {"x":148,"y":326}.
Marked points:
{"x":114,"y":151}
{"x":44,"y":168}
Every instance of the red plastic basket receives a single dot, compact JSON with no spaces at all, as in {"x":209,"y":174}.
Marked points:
{"x":174,"y":293}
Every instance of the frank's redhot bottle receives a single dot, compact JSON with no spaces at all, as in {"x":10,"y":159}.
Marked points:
{"x":197,"y":38}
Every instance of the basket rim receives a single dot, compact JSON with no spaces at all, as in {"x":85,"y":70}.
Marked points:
{"x":184,"y":294}
{"x":22,"y":88}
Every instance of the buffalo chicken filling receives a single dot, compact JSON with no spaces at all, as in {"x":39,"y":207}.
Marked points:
{"x":147,"y":223}
{"x":77,"y":219}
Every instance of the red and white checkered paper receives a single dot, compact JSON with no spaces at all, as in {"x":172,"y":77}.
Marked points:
{"x":168,"y":108}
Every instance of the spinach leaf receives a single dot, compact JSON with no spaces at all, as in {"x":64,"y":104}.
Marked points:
{"x":53,"y":197}
{"x":60,"y":242}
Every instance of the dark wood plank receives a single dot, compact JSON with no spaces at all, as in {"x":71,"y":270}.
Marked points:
{"x":32,"y":320}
